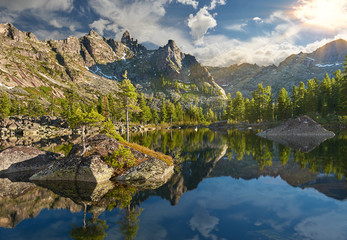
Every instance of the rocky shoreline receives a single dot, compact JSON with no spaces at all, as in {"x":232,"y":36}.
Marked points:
{"x":46,"y":166}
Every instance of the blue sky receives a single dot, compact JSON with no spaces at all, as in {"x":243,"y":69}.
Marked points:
{"x":217,"y":32}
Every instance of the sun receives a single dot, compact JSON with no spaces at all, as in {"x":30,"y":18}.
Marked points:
{"x":330,"y":14}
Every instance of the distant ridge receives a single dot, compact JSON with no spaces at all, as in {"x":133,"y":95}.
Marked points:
{"x":295,"y":68}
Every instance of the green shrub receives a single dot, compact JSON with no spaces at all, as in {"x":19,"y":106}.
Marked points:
{"x":110,"y":130}
{"x":121,"y":158}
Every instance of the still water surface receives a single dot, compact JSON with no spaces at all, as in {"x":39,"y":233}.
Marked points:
{"x":231,"y":185}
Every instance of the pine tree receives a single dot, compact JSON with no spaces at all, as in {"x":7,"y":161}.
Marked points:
{"x":80,"y":119}
{"x":283,"y":107}
{"x":311,"y":98}
{"x":326,"y":93}
{"x":238,"y":107}
{"x":171,"y":112}
{"x":179,"y":112}
{"x":163,"y":112}
{"x":342,"y":101}
{"x":262,"y":99}
{"x":155,"y":116}
{"x":5,"y":105}
{"x":128,"y":97}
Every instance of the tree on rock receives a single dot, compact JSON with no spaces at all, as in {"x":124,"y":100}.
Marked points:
{"x":128,"y":97}
{"x":80,"y":119}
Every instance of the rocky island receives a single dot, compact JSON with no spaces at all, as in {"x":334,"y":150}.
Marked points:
{"x":302,"y":134}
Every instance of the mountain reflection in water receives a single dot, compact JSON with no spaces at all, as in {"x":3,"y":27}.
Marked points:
{"x":110,"y":209}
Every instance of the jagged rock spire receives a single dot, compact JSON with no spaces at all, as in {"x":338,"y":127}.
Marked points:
{"x":126,"y":38}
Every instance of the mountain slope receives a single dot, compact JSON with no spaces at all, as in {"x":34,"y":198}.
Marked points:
{"x":90,"y":65}
{"x":295,"y":68}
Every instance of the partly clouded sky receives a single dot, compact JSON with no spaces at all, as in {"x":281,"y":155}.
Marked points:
{"x":217,"y":32}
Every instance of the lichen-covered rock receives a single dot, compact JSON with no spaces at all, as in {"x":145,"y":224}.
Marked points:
{"x":152,"y":170}
{"x":77,"y":168}
{"x":17,"y":159}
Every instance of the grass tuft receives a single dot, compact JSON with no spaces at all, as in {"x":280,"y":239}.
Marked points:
{"x":165,"y":158}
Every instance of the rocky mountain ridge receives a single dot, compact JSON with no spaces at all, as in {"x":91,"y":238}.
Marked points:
{"x":92,"y":64}
{"x":295,"y":68}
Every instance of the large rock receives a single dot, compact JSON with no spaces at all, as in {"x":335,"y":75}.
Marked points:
{"x":92,"y":168}
{"x":148,"y":172}
{"x":18,"y":159}
{"x":77,"y":168}
{"x":302,"y":134}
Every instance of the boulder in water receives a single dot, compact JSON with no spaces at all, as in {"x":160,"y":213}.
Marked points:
{"x":302,"y":134}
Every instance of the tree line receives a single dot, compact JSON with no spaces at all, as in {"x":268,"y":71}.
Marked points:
{"x":325,"y":99}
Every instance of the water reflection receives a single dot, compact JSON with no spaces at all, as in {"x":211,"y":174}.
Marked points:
{"x":203,"y":155}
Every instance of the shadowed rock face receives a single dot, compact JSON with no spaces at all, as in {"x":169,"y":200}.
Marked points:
{"x":18,"y":159}
{"x":302,"y":134}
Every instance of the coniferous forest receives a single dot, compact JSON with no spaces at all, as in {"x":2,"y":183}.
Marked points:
{"x":323,"y":99}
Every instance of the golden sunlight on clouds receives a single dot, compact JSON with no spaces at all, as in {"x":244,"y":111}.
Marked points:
{"x":330,"y":14}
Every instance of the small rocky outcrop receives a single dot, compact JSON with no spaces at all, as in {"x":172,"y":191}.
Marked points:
{"x":20,"y":159}
{"x":92,"y":168}
{"x":303,"y":134}
{"x":149,"y":174}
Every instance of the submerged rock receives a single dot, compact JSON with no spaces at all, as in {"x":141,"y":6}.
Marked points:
{"x":302,"y":134}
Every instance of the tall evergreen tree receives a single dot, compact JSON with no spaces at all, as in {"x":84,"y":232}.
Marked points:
{"x":179,"y":112}
{"x":128,"y":96}
{"x":171,"y":112}
{"x":238,"y":107}
{"x":262,"y":99}
{"x":311,"y":98}
{"x":5,"y":105}
{"x":163,"y":112}
{"x":283,"y":106}
{"x":342,"y":101}
{"x":155,"y":116}
{"x":326,"y":93}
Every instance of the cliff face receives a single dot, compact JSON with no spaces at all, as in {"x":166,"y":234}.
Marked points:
{"x":92,"y":64}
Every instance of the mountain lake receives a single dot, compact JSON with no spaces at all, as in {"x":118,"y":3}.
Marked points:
{"x":227,"y":185}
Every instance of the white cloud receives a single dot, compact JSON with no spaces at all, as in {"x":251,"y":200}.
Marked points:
{"x":200,"y":24}
{"x":55,"y":23}
{"x":215,"y":3}
{"x":100,"y":25}
{"x":203,"y":222}
{"x":237,"y":27}
{"x":329,"y":14}
{"x":257,"y":20}
{"x":141,"y":18}
{"x":322,"y":227}
{"x":42,"y":5}
{"x":193,"y":3}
